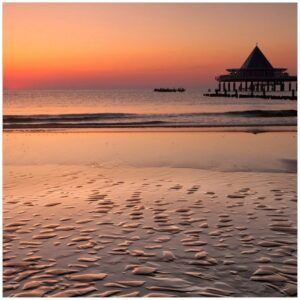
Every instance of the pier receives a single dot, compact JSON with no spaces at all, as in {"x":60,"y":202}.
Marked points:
{"x":256,"y":78}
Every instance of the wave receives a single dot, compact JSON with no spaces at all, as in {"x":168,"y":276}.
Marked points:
{"x":153,"y":124}
{"x":65,"y":117}
{"x":110,"y":116}
{"x":264,"y":113}
{"x":131,"y":120}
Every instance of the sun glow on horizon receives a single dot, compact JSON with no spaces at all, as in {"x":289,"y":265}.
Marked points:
{"x":131,"y":45}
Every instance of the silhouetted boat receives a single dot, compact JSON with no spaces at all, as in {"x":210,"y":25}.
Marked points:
{"x":167,"y":90}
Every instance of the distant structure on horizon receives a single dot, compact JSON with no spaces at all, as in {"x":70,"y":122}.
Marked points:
{"x":169,"y":90}
{"x":257,"y":78}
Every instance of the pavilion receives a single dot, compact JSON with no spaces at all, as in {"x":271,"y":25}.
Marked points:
{"x":256,"y":78}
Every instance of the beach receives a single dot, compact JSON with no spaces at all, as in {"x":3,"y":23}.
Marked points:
{"x":149,"y":150}
{"x":150,"y":214}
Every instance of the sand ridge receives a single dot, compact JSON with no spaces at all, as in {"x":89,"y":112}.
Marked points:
{"x":153,"y":232}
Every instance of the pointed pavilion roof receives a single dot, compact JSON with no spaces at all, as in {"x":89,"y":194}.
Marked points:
{"x":263,"y":70}
{"x":256,"y":60}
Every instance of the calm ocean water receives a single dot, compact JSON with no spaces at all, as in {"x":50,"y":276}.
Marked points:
{"x":140,"y":108}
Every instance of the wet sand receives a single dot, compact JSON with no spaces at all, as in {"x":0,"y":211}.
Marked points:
{"x":127,"y":231}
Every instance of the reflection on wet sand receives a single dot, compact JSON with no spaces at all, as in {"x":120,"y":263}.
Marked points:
{"x":85,"y":229}
{"x":225,"y":151}
{"x":148,"y":232}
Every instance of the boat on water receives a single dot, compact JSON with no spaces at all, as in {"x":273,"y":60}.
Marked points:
{"x":168,"y":90}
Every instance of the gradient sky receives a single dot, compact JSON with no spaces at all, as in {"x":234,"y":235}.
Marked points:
{"x":138,"y":45}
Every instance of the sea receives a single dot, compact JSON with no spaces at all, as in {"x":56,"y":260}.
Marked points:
{"x":140,"y":108}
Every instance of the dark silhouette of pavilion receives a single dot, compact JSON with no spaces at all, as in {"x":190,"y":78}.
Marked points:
{"x":256,"y":78}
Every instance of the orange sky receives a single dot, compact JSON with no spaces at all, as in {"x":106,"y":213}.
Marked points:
{"x":136,"y":45}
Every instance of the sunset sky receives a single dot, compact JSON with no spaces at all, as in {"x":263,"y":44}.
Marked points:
{"x":140,"y":45}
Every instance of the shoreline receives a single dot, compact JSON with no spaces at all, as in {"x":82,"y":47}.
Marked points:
{"x":145,"y":215}
{"x":221,"y":128}
{"x":208,"y":150}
